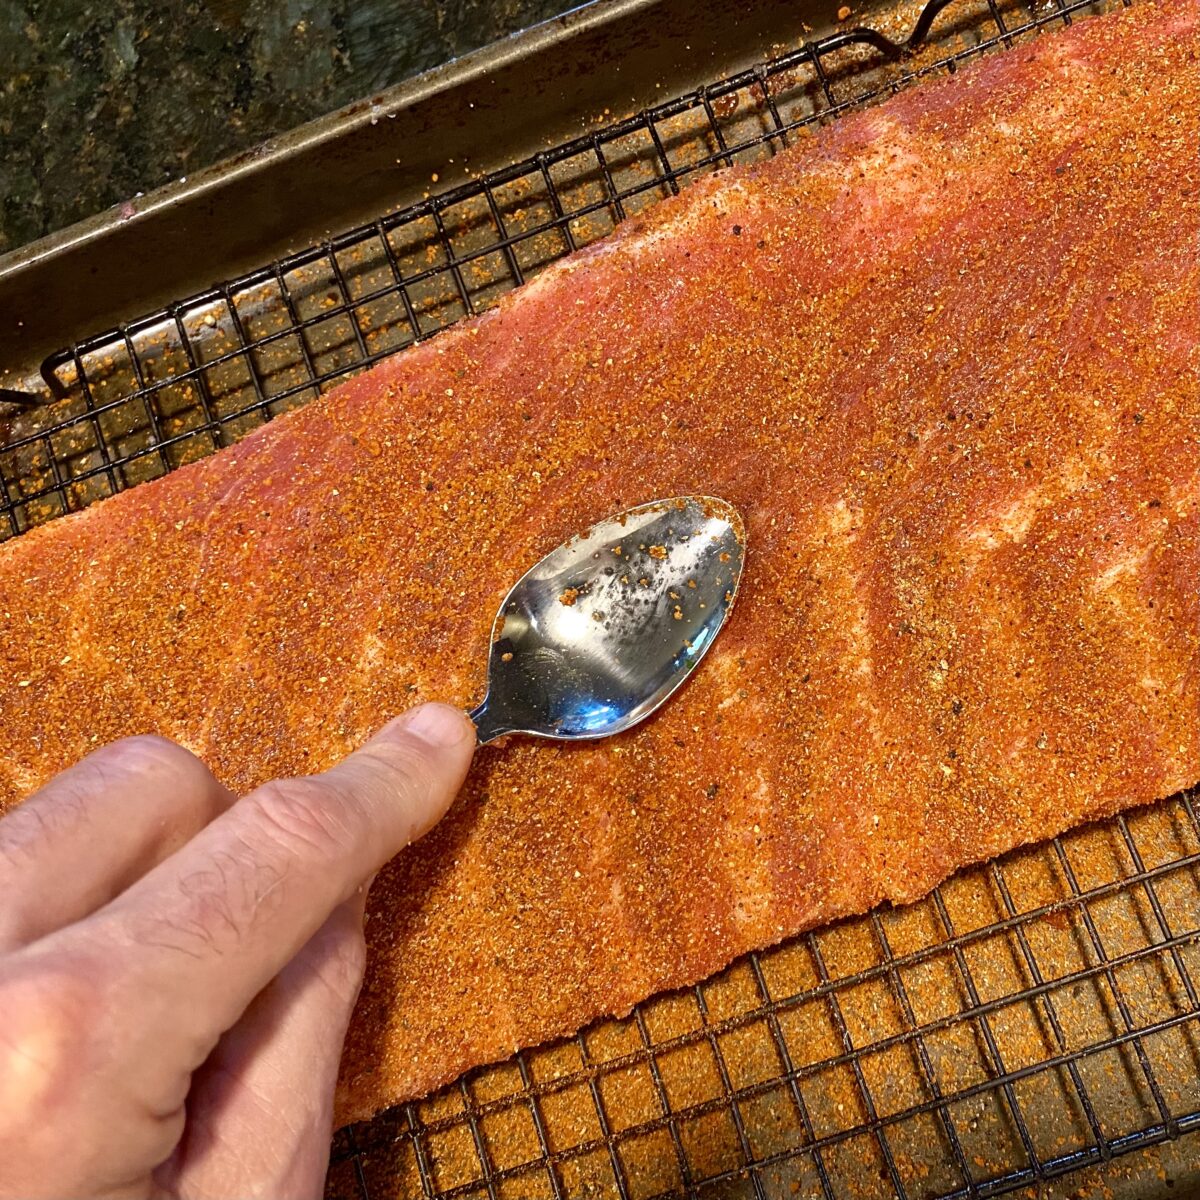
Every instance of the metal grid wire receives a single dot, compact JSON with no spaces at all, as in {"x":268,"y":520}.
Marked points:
{"x":1031,"y":1018}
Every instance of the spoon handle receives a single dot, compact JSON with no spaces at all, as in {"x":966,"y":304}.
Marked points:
{"x":488,"y":725}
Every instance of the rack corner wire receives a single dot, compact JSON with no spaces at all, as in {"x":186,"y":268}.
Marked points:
{"x":1033,"y":1017}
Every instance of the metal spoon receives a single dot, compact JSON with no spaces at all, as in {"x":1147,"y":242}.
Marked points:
{"x":600,"y":632}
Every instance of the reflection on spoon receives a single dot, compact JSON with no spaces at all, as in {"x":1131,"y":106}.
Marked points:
{"x":598,"y":634}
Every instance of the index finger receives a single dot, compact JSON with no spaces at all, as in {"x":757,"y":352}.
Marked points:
{"x":205,"y":931}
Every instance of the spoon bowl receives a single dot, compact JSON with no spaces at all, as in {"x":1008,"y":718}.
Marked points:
{"x":597,"y":635}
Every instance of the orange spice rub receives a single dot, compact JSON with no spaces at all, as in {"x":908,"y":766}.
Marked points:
{"x":944,"y":358}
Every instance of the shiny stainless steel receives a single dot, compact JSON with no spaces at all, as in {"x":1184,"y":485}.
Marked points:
{"x":599,"y":633}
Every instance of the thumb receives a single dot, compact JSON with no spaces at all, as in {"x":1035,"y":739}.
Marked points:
{"x":418,"y":762}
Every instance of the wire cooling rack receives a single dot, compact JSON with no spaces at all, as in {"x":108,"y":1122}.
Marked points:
{"x":135,"y":402}
{"x":1032,"y":1019}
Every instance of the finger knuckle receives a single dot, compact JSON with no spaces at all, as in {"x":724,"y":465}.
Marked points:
{"x":148,"y":750}
{"x":303,"y":814}
{"x":53,"y":1007}
{"x":184,"y":776}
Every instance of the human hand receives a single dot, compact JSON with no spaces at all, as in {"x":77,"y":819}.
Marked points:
{"x":178,"y":967}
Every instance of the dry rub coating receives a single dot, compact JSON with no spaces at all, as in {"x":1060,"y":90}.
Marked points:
{"x":944,"y":357}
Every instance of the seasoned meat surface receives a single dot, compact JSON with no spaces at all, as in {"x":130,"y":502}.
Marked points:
{"x":943,"y":355}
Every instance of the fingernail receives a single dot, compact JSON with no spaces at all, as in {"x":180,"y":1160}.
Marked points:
{"x":437,"y":724}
